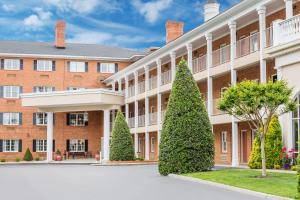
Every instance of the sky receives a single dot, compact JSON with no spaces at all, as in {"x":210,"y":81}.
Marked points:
{"x":133,"y":24}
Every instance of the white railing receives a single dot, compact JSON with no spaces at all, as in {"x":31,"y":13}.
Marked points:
{"x":141,"y":120}
{"x":153,"y":82}
{"x":141,"y":87}
{"x":221,"y":56}
{"x":269,"y":37}
{"x":247,"y":45}
{"x":199,"y":64}
{"x":131,"y":91}
{"x":287,"y":30}
{"x":166,"y":77}
{"x":152,"y":119}
{"x":131,"y":122}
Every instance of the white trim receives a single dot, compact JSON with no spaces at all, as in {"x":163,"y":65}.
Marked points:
{"x":224,"y":149}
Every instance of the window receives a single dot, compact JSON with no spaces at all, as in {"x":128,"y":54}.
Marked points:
{"x":11,"y":91}
{"x":12,"y":64}
{"x":75,"y":88}
{"x":296,"y":124}
{"x":44,"y":65}
{"x":254,"y":133}
{"x":107,"y":67}
{"x":222,"y":53}
{"x":152,"y":144}
{"x":11,"y":118}
{"x":140,"y":143}
{"x":42,"y":89}
{"x":10,"y":145}
{"x":41,"y":145}
{"x":78,"y":119}
{"x":253,"y":42}
{"x":224,"y":141}
{"x":77,"y":67}
{"x":41,"y":118}
{"x":274,"y":78}
{"x":77,"y":145}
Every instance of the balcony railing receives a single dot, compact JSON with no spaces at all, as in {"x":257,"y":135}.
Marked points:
{"x":141,"y":87}
{"x":269,"y":37}
{"x":152,"y":119}
{"x":153,"y":82}
{"x":247,"y":45}
{"x":166,"y":77}
{"x":131,"y":91}
{"x":131,"y":122}
{"x":141,"y":120}
{"x":221,"y":56}
{"x":199,"y":64}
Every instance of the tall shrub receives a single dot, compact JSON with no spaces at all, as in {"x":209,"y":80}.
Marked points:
{"x":28,"y":155}
{"x":273,"y":147}
{"x":121,"y":145}
{"x":187,"y":142}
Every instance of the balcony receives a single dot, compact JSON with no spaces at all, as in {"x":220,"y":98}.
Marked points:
{"x":153,"y":82}
{"x":131,"y":91}
{"x":216,"y":111}
{"x":166,"y":77}
{"x":199,"y":64}
{"x":141,"y":120}
{"x":152,"y":118}
{"x":131,"y":122}
{"x":141,"y":87}
{"x":221,"y":56}
{"x":247,"y":45}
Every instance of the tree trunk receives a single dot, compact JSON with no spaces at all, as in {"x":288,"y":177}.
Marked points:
{"x":263,"y":156}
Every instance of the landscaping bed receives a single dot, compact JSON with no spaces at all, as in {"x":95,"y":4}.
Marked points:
{"x":280,"y":184}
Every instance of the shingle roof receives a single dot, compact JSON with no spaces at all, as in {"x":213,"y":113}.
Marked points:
{"x":72,"y":49}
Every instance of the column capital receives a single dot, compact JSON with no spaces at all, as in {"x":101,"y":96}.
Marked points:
{"x":126,"y":78}
{"x":158,"y":62}
{"x":136,"y":73}
{"x":261,"y":10}
{"x":146,"y":68}
{"x":173,"y":54}
{"x":208,"y":36}
{"x":232,"y":25}
{"x":189,"y":46}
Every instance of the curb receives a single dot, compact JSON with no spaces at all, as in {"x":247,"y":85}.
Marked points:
{"x":228,"y":187}
{"x":123,"y":164}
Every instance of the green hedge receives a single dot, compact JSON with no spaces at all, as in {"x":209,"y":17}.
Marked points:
{"x":187,"y":142}
{"x":28,"y":155}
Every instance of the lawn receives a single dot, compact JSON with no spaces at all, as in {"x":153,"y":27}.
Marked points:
{"x":281,"y":184}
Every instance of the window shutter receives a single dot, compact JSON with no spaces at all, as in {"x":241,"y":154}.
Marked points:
{"x":34,"y":89}
{"x":2,"y":64}
{"x":1,"y":145}
{"x":68,"y":145}
{"x":21,"y":90}
{"x":116,"y":67}
{"x":53,"y":89}
{"x":1,"y":118}
{"x":86,"y":123}
{"x":86,"y":145}
{"x":86,"y":66}
{"x":53,"y":118}
{"x":1,"y":92}
{"x":34,"y":118}
{"x":20,"y":145}
{"x":35,"y":65}
{"x":53,"y":65}
{"x":20,"y":118}
{"x":34,"y":145}
{"x":53,"y":146}
{"x":21,"y":64}
{"x":98,"y":67}
{"x":68,"y":119}
{"x":69,"y":66}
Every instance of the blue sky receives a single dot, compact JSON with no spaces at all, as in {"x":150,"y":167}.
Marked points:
{"x":135,"y":24}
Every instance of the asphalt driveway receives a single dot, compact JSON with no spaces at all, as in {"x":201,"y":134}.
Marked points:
{"x":85,"y":182}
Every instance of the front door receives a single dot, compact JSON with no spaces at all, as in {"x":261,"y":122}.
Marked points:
{"x":243,"y":147}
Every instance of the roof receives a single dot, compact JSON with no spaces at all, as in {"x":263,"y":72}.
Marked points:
{"x":72,"y":49}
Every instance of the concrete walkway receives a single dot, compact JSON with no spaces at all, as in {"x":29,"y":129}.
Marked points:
{"x":86,"y":182}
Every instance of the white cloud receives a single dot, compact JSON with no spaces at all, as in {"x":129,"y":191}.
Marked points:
{"x":8,"y":7}
{"x":90,"y":37}
{"x":37,"y":20}
{"x":151,"y":10}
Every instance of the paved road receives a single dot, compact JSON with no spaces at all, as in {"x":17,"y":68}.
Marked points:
{"x":84,"y":182}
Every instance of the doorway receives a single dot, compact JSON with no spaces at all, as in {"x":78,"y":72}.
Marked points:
{"x":244,"y":147}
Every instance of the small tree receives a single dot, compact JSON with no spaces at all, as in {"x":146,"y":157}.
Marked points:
{"x":273,"y":147}
{"x":256,"y":104}
{"x":28,"y":155}
{"x":121,"y":145}
{"x":187,"y":142}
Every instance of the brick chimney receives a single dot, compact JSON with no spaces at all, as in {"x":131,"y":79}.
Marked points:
{"x":173,"y":30}
{"x":60,"y":34}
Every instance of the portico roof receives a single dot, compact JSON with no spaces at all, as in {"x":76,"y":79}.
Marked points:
{"x":78,"y":100}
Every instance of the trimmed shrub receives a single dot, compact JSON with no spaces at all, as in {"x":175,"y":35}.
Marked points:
{"x":121,"y":144}
{"x":273,"y":147}
{"x":37,"y":159}
{"x":18,"y":159}
{"x":187,"y":142}
{"x":3,"y":160}
{"x":28,"y":155}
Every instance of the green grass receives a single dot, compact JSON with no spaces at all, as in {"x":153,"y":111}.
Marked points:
{"x":280,"y":184}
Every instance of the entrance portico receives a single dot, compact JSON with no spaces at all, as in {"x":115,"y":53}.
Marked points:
{"x":74,"y":101}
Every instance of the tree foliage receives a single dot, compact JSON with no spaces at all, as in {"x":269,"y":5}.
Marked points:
{"x":28,"y":155}
{"x":187,"y":142}
{"x":121,"y":145}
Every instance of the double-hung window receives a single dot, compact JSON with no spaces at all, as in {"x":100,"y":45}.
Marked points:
{"x":152,"y":144}
{"x":77,"y":66}
{"x":77,"y":145}
{"x":42,"y":89}
{"x":253,"y":42}
{"x":140,"y":145}
{"x":12,"y":64}
{"x":41,"y":145}
{"x":10,"y":145}
{"x":224,"y":141}
{"x":11,"y":92}
{"x":44,"y":65}
{"x":41,"y":118}
{"x":78,"y":119}
{"x":107,"y":67}
{"x":11,"y":118}
{"x":223,"y":53}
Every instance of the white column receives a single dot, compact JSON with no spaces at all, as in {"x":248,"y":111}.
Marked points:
{"x":136,"y":83}
{"x":136,"y":113}
{"x":120,"y":85}
{"x":262,"y":36}
{"x":127,"y":112}
{"x":146,"y":68}
{"x":159,"y":119}
{"x":158,"y":63}
{"x":146,"y":112}
{"x":209,"y":78}
{"x":235,"y":152}
{"x":113,"y":113}
{"x":126,"y":86}
{"x":147,"y":150}
{"x":232,"y":27}
{"x":136,"y":144}
{"x":189,"y":48}
{"x":49,"y":136}
{"x":113,"y":86}
{"x":289,"y":9}
{"x":173,"y":64}
{"x":106,"y":135}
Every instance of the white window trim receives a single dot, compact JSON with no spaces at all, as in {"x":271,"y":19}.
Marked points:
{"x":107,"y":68}
{"x":43,"y":145}
{"x":37,"y":119}
{"x":75,"y":142}
{"x":10,"y":146}
{"x":77,"y":66}
{"x":44,"y":65}
{"x":252,"y":50}
{"x":85,"y":119}
{"x":224,"y":143}
{"x":152,"y":144}
{"x":44,"y":89}
{"x":12,"y":63}
{"x":139,"y":145}
{"x":10,"y":87}
{"x":10,"y":118}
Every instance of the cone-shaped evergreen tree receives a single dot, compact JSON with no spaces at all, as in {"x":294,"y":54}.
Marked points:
{"x":273,"y":147}
{"x":121,"y":145}
{"x":28,"y":155}
{"x":187,"y":142}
